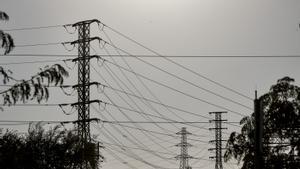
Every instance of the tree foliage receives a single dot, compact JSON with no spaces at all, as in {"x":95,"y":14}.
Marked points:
{"x":35,"y":88}
{"x":6,"y":41}
{"x":40,"y":149}
{"x":281,"y":107}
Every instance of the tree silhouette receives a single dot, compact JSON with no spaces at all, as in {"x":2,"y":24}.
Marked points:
{"x":56,"y":148}
{"x":7,"y":41}
{"x":40,"y":149}
{"x":35,"y":88}
{"x":281,"y":108}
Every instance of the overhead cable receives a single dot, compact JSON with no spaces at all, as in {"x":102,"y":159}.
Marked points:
{"x":180,"y":65}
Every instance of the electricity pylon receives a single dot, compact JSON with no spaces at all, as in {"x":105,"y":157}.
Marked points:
{"x":218,"y":139}
{"x":184,"y":157}
{"x":83,"y":86}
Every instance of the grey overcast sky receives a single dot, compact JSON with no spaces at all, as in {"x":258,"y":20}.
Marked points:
{"x":170,"y":27}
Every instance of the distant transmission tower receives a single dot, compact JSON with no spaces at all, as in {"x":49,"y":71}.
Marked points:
{"x":218,"y":139}
{"x":184,"y":157}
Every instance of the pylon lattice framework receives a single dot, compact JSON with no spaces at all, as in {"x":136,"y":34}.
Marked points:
{"x":218,"y":139}
{"x":83,"y":81}
{"x":184,"y":157}
{"x":83,"y":86}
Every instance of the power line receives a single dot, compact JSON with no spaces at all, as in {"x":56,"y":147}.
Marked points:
{"x":106,"y":103}
{"x":155,"y":56}
{"x":40,"y":44}
{"x":63,"y":86}
{"x":114,"y":139}
{"x":161,"y":117}
{"x":162,"y":104}
{"x":143,"y":161}
{"x":129,"y":96}
{"x":121,"y":110}
{"x":36,"y":55}
{"x":32,"y":28}
{"x":180,"y":65}
{"x":186,"y":81}
{"x":33,"y":121}
{"x":159,"y":133}
{"x":171,"y":88}
{"x":107,"y":121}
{"x":162,"y":122}
{"x":146,"y":117}
{"x":136,"y":89}
{"x":122,"y":161}
{"x":146,"y":99}
{"x":141,"y":113}
{"x":27,"y":104}
{"x":155,"y":132}
{"x":141,"y":81}
{"x":140,"y":145}
{"x":32,"y":62}
{"x":122,"y":146}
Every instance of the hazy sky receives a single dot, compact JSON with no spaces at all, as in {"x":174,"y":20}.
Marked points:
{"x":170,"y":27}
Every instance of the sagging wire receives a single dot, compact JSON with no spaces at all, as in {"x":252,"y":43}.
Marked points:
{"x":66,"y":113}
{"x":102,"y":108}
{"x":101,"y":26}
{"x":99,"y":125}
{"x":65,"y":92}
{"x":101,"y":62}
{"x":67,"y":30}
{"x":102,"y":45}
{"x":69,"y":67}
{"x":98,"y":58}
{"x":69,"y":50}
{"x":100,"y":88}
{"x":63,"y":125}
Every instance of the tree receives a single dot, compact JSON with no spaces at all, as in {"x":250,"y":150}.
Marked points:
{"x":56,"y":148}
{"x":281,"y":108}
{"x":35,"y":88}
{"x":40,"y":149}
{"x":7,"y":41}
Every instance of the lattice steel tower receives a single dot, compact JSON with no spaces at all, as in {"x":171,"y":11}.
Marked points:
{"x":218,"y":139}
{"x":83,"y":86}
{"x":184,"y":157}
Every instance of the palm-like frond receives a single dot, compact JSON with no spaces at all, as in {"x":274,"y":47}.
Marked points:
{"x":3,"y":16}
{"x":37,"y":87}
{"x":6,"y":41}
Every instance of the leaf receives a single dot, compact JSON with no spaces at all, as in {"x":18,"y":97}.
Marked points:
{"x":3,"y":16}
{"x":37,"y":87}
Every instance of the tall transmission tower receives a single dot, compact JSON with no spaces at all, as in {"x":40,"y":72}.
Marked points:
{"x":218,"y":139}
{"x":184,"y":157}
{"x":83,"y":86}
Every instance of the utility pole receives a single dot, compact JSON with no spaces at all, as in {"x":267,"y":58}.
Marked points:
{"x":184,"y":157}
{"x":218,"y":139}
{"x":83,"y":86}
{"x":258,"y":137}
